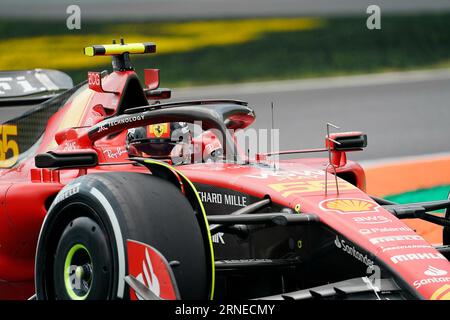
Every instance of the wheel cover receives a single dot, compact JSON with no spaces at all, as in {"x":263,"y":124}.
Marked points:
{"x":78,"y":275}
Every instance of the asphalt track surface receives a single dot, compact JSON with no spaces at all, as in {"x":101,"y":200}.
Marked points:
{"x":403,"y":114}
{"x":185,"y":9}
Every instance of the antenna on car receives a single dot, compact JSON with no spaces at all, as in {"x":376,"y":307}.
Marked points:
{"x":330,"y":164}
{"x":272,"y":114}
{"x":272,"y":106}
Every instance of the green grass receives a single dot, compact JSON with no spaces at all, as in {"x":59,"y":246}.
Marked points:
{"x":432,"y":194}
{"x":342,"y":46}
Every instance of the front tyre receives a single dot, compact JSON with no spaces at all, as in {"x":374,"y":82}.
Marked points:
{"x":82,"y":247}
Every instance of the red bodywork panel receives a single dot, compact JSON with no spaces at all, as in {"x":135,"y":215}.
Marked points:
{"x":26,"y":192}
{"x":150,"y":267}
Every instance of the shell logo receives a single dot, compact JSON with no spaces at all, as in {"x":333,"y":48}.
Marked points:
{"x":350,"y":205}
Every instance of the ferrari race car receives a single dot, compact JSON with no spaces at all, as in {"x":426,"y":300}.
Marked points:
{"x":99,"y":200}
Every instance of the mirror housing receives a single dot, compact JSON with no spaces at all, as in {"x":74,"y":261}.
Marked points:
{"x":158,"y":94}
{"x":67,"y":159}
{"x":347,"y":141}
{"x":341,"y":142}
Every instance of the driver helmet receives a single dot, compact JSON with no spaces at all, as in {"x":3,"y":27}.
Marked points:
{"x":170,"y":140}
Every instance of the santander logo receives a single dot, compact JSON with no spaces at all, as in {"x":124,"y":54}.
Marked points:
{"x":147,"y":276}
{"x":434,"y":272}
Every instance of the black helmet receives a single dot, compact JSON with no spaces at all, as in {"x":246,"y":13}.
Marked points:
{"x":157,"y":140}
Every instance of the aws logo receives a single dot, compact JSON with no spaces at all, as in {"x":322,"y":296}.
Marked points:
{"x":349,"y":205}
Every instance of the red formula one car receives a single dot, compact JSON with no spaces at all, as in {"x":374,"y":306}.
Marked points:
{"x":107,"y":193}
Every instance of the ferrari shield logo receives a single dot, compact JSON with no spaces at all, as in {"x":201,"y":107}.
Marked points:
{"x":345,"y":206}
{"x":160,"y":130}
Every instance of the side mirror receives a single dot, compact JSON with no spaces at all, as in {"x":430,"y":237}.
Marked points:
{"x":158,"y":94}
{"x":347,"y":141}
{"x":340,"y":142}
{"x":67,"y":159}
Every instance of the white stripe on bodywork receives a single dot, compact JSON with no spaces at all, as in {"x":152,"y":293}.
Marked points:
{"x":46,"y":81}
{"x":118,"y":236}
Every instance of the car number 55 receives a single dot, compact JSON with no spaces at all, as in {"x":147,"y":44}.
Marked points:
{"x":8,"y":147}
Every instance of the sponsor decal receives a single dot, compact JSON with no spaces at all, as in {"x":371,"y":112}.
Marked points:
{"x":281,"y":175}
{"x":287,"y":189}
{"x":114,"y":153}
{"x":384,"y":230}
{"x":412,"y":246}
{"x":126,"y":120}
{"x":222,"y":198}
{"x":218,"y":238}
{"x":232,"y":261}
{"x":417,"y":256}
{"x":67,"y":192}
{"x":117,"y":122}
{"x":443,"y":293}
{"x":149,"y":267}
{"x":70,"y":146}
{"x":159,"y":130}
{"x":408,"y":237}
{"x":436,"y":276}
{"x":433,"y":271}
{"x":371,"y":220}
{"x":351,"y":250}
{"x":423,"y":282}
{"x":148,"y":276}
{"x":345,"y":206}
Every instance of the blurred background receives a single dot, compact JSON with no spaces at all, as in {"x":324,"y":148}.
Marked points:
{"x":315,"y":59}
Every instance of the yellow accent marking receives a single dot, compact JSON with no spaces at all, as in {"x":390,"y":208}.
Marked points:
{"x":89,"y":51}
{"x":290,"y":188}
{"x":213,"y":273}
{"x":73,"y":116}
{"x":443,"y":293}
{"x":7,"y":144}
{"x":350,"y":205}
{"x":119,"y":49}
{"x":112,"y":49}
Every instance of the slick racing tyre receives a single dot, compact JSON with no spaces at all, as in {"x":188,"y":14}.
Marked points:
{"x":82,"y":247}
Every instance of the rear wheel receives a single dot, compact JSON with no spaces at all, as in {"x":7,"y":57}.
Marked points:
{"x":82,"y":246}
